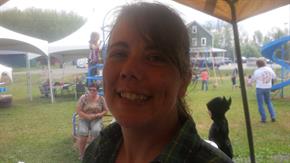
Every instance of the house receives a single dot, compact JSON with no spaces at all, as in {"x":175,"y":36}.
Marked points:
{"x":201,"y":47}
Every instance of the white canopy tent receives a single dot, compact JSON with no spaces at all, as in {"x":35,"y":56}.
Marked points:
{"x":13,"y":41}
{"x":76,"y":45}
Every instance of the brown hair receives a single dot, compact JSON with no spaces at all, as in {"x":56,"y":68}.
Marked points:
{"x":94,"y":38}
{"x":162,"y":27}
{"x":260,"y":63}
{"x":93,"y":85}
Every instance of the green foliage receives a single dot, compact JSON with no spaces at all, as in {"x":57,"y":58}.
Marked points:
{"x":250,"y":50}
{"x":222,"y":36}
{"x":48,"y":25}
{"x":258,"y":37}
{"x":250,"y":47}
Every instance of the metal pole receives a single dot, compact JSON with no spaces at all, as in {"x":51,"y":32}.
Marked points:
{"x":50,"y":80}
{"x":282,"y":71}
{"x":28,"y":75}
{"x":30,"y":82}
{"x":242,"y":81}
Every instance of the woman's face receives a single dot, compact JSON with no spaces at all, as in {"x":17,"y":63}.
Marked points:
{"x":93,"y":91}
{"x":141,"y":85}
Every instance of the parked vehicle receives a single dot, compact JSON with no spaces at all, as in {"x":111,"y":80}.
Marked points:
{"x":82,"y":63}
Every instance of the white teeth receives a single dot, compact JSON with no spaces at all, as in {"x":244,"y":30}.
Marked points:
{"x":132,"y":96}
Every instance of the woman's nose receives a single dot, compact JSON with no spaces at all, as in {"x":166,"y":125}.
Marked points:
{"x":130,"y":69}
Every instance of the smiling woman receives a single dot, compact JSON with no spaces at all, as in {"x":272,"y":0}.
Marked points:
{"x":146,"y":75}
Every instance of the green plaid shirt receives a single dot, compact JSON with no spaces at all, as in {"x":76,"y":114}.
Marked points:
{"x":186,"y":147}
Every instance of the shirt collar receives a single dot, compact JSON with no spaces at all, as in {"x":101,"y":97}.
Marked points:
{"x":181,"y":146}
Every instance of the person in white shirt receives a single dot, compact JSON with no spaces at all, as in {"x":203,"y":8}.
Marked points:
{"x":263,"y":77}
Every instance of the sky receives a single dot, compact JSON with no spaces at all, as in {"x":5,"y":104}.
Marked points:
{"x":264,"y":22}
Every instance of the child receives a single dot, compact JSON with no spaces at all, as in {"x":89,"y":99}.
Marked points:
{"x":204,"y":79}
{"x":249,"y":81}
{"x":219,"y":131}
{"x":94,"y":52}
{"x":94,"y":48}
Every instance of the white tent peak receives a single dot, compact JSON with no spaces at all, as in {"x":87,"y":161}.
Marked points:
{"x":11,"y":40}
{"x":76,"y":45}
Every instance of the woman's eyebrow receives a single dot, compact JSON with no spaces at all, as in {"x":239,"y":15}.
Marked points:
{"x":119,"y":44}
{"x":152,"y":47}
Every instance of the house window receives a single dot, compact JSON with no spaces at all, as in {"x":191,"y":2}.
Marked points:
{"x":194,"y":29}
{"x":203,"y":41}
{"x":194,"y":41}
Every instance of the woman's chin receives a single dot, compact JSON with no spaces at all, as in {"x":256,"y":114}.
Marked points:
{"x":132,"y":122}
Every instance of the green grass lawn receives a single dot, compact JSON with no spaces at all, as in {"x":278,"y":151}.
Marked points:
{"x":38,"y":131}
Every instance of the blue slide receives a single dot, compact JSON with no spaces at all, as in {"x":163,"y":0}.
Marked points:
{"x":268,"y":51}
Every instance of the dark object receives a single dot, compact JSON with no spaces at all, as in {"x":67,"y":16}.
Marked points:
{"x":44,"y":88}
{"x":263,"y":121}
{"x":80,"y":89}
{"x":5,"y":101}
{"x":219,"y":131}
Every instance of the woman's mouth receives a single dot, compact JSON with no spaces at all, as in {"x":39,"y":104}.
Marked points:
{"x":133,"y":96}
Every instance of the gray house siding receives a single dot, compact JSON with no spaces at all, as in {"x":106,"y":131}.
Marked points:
{"x":201,"y":46}
{"x":198,"y":33}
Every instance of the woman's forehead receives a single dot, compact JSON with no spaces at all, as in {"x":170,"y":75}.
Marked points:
{"x":124,"y":30}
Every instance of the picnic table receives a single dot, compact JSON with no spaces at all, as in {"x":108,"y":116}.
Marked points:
{"x":64,"y":88}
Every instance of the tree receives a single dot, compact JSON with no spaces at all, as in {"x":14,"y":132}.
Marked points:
{"x":258,"y":38}
{"x":250,"y":50}
{"x":222,"y":36}
{"x":250,"y":45}
{"x":48,"y":25}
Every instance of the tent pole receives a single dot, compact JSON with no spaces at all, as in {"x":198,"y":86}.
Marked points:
{"x":213,"y":68}
{"x":50,"y":80}
{"x":62,"y":80}
{"x":242,"y":80}
{"x":29,"y":87}
{"x":244,"y":93}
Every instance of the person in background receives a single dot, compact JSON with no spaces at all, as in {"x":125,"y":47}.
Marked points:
{"x":204,"y":79}
{"x":219,"y":130}
{"x":234,"y":77}
{"x":44,"y":88}
{"x":91,"y":108}
{"x":263,"y":77}
{"x":146,"y":75}
{"x":94,"y":51}
{"x":249,"y":81}
{"x":4,"y":78}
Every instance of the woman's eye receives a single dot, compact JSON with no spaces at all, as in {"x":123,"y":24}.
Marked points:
{"x":156,"y":57}
{"x":117,"y":54}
